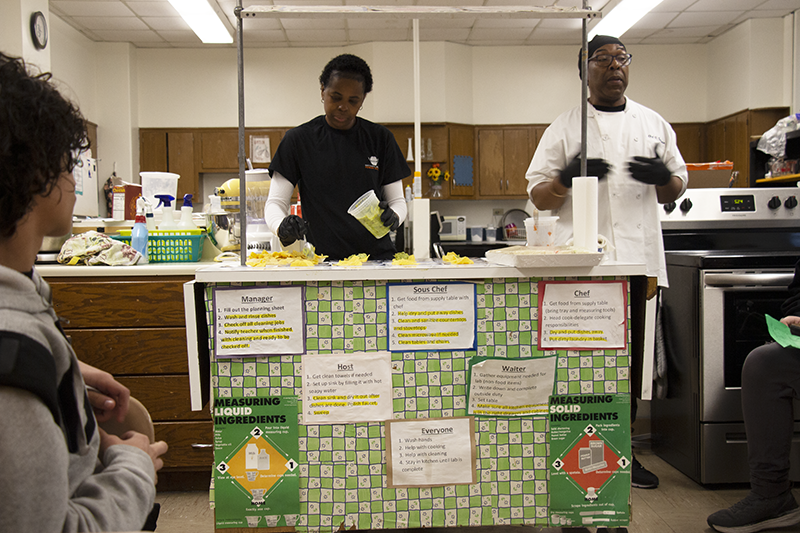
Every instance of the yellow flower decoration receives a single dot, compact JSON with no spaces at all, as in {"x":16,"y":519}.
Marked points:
{"x":434,"y":173}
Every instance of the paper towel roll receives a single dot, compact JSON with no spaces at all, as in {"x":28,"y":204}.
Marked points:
{"x":584,"y":212}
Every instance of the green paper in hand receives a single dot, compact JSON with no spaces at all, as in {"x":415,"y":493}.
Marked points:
{"x":781,"y":334}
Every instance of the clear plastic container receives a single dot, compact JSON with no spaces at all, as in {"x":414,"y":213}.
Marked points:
{"x":367,"y":211}
{"x":154,"y":183}
{"x":541,"y":233}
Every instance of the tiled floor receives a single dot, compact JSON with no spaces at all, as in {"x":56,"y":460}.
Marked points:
{"x":679,"y":505}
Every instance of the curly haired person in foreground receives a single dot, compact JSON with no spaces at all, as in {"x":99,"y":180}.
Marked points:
{"x":58,"y":470}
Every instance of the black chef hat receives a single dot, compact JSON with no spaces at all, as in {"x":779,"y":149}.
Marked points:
{"x":594,"y":44}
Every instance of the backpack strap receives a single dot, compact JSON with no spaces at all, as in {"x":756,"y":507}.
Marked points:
{"x":27,"y":365}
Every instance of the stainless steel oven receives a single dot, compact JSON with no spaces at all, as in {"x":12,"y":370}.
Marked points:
{"x":730,"y":257}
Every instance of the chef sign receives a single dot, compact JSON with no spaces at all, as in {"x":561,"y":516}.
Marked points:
{"x":582,"y":315}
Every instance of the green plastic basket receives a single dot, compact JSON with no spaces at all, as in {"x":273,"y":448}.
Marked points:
{"x":171,"y":248}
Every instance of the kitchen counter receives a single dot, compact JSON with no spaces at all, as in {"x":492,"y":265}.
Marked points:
{"x":431,"y":269}
{"x":154,"y":269}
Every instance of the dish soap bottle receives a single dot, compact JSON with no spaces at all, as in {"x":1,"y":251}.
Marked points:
{"x":186,"y":214}
{"x":139,"y":232}
{"x":167,"y":213}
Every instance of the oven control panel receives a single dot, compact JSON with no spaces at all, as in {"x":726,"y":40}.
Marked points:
{"x":739,"y":207}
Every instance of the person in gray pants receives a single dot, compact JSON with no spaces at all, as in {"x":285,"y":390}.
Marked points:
{"x":770,"y":382}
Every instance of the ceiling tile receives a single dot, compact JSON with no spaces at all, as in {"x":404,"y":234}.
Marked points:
{"x":111,"y":23}
{"x":654,"y":20}
{"x":93,"y":9}
{"x":721,"y":5}
{"x":446,"y":34}
{"x":789,"y":5}
{"x":116,"y":36}
{"x":153,"y":9}
{"x":495,"y":34}
{"x":182,"y":37}
{"x":167,"y":23}
{"x":674,"y":5}
{"x":312,"y":24}
{"x":258,"y":36}
{"x":704,"y":18}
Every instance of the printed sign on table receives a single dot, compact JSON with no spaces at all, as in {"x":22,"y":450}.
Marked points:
{"x":431,"y":316}
{"x":582,"y":315}
{"x":254,"y":321}
{"x":590,"y":460}
{"x":354,"y":387}
{"x":431,"y":452}
{"x":256,"y":475}
{"x":510,"y":387}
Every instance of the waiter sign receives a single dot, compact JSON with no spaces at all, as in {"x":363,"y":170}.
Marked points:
{"x":582,"y":315}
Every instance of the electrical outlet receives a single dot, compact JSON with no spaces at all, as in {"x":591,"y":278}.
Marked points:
{"x":497,"y":212}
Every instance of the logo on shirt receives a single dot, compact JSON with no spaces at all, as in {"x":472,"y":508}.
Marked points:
{"x":656,"y":138}
{"x":373,"y":163}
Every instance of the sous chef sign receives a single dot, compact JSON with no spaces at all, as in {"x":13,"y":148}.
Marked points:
{"x":582,"y":315}
{"x":255,"y":321}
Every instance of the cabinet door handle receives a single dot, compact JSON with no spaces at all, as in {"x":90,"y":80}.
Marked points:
{"x":197,"y":445}
{"x":506,"y":184}
{"x":500,"y":183}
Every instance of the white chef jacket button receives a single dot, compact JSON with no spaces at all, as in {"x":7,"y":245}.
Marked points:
{"x":636,"y":139}
{"x":638,"y":196}
{"x":633,"y":115}
{"x":606,"y":137}
{"x":638,"y":226}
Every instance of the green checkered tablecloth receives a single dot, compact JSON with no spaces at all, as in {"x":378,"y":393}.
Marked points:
{"x":343,"y":466}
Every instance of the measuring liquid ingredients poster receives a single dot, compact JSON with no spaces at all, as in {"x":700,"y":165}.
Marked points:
{"x":590,"y":460}
{"x":589,"y":315}
{"x":254,"y":321}
{"x":256,"y":475}
{"x":354,"y":387}
{"x":431,"y":316}
{"x":510,"y":387}
{"x":430,"y":452}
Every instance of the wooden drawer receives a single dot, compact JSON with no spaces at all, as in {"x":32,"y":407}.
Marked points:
{"x":183,"y":438}
{"x":166,"y":397}
{"x":132,"y":351}
{"x":118,"y":303}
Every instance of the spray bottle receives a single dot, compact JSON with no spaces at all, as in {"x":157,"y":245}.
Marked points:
{"x":149,"y":218}
{"x":167,"y":213}
{"x":186,"y":221}
{"x":139,"y":232}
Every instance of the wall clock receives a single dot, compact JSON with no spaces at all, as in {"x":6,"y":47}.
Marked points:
{"x":39,"y":30}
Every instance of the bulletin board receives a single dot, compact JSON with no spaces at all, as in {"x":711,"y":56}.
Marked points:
{"x":342,"y":467}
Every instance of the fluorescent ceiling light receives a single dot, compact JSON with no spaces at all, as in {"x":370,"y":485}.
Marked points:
{"x":622,"y":17}
{"x":203,"y":20}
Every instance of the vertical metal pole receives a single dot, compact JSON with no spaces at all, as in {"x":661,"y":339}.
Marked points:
{"x":242,"y":176}
{"x":417,"y":98}
{"x":584,"y":88}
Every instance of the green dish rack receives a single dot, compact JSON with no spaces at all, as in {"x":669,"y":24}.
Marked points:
{"x":174,"y":246}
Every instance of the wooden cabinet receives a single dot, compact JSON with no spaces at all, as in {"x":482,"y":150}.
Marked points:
{"x":729,"y":137}
{"x":167,"y":150}
{"x":504,"y":154}
{"x":219,"y":150}
{"x":135,"y":329}
{"x":462,"y":185}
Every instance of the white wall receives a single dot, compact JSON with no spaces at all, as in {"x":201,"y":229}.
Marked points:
{"x":121,"y":88}
{"x":15,"y":36}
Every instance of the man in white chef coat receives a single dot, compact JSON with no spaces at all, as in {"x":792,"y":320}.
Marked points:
{"x":633,"y":152}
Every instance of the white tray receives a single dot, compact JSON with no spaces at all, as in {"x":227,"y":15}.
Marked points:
{"x":543,"y":256}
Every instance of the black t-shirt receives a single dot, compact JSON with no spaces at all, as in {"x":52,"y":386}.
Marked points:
{"x":332,"y":169}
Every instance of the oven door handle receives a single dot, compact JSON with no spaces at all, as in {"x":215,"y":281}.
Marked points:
{"x":774,"y":279}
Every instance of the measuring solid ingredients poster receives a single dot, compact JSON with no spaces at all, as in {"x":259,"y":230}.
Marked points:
{"x":590,"y":460}
{"x":582,"y":315}
{"x":256,"y":475}
{"x":430,"y":452}
{"x":510,"y":387}
{"x":431,"y":316}
{"x":355,"y":387}
{"x":253,"y":321}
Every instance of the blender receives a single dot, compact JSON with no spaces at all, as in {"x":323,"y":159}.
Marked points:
{"x":259,"y":237}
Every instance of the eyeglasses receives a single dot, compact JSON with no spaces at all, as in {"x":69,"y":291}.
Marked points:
{"x":604,"y":60}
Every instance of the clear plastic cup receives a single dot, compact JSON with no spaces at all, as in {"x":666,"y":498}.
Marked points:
{"x":367,"y":211}
{"x":541,"y":233}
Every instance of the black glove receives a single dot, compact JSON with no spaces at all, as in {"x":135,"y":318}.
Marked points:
{"x":292,"y":228}
{"x":650,"y":170}
{"x":594,"y":167}
{"x":389,"y":217}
